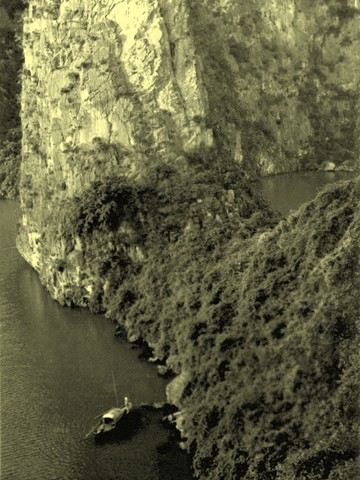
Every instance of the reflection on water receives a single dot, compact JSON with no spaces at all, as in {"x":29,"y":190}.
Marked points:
{"x":56,"y":377}
{"x":288,"y":191}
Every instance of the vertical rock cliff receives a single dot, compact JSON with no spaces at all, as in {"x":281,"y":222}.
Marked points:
{"x":110,"y":86}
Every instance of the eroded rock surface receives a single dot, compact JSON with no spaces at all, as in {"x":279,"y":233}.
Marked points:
{"x":109,"y":87}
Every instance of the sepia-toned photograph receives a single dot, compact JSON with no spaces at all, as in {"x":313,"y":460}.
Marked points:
{"x":179,"y":239}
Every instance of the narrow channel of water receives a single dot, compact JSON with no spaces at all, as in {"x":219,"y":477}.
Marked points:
{"x":56,"y":377}
{"x":288,"y":191}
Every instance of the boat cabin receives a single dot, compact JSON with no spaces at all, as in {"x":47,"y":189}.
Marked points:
{"x":110,"y":418}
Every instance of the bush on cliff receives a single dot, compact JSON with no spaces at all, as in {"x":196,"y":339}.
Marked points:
{"x":10,"y":158}
{"x":102,"y":207}
{"x":262,"y":320}
{"x":265,"y":327}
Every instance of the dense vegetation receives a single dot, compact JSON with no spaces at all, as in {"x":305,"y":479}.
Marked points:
{"x":261,"y":319}
{"x":10,"y":130}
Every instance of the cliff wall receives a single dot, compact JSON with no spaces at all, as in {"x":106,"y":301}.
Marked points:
{"x":110,"y":88}
{"x":105,"y":93}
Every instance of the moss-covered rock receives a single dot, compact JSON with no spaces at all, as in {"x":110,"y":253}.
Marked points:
{"x":265,"y":328}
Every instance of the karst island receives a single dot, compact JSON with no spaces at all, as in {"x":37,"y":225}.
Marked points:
{"x":184,"y":173}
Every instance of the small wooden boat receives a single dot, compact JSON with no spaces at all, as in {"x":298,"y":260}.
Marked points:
{"x":109,"y":420}
{"x":112,"y":417}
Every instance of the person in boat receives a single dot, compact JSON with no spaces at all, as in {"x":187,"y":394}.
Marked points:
{"x":127,"y":404}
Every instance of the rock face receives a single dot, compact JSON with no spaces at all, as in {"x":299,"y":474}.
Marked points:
{"x":107,"y":87}
{"x":110,"y":87}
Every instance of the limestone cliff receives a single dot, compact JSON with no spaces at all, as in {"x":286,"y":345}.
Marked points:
{"x":110,"y":86}
{"x":107,"y":88}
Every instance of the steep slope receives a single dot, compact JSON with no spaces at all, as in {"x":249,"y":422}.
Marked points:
{"x":263,"y":331}
{"x":270,"y":353}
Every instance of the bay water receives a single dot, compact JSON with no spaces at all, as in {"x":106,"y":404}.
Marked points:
{"x":56,"y":376}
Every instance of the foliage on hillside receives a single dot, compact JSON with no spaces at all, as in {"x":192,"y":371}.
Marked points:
{"x":262,"y":320}
{"x":10,"y":131}
{"x":265,"y":329}
{"x":272,"y":393}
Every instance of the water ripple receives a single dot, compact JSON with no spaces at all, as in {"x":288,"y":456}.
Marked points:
{"x":56,"y":377}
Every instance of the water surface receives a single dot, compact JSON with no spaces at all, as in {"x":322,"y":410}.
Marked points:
{"x":288,"y":191}
{"x":56,"y":377}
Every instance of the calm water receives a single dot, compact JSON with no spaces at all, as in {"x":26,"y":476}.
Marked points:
{"x":288,"y":191}
{"x":56,"y":377}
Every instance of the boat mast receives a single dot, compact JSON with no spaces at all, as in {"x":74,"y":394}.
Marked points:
{"x":116,"y":395}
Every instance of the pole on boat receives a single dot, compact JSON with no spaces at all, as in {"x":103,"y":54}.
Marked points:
{"x":116,"y":395}
{"x":88,"y":434}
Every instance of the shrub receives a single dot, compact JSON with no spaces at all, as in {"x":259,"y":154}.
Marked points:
{"x":266,"y":342}
{"x":239,"y":51}
{"x":10,"y":158}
